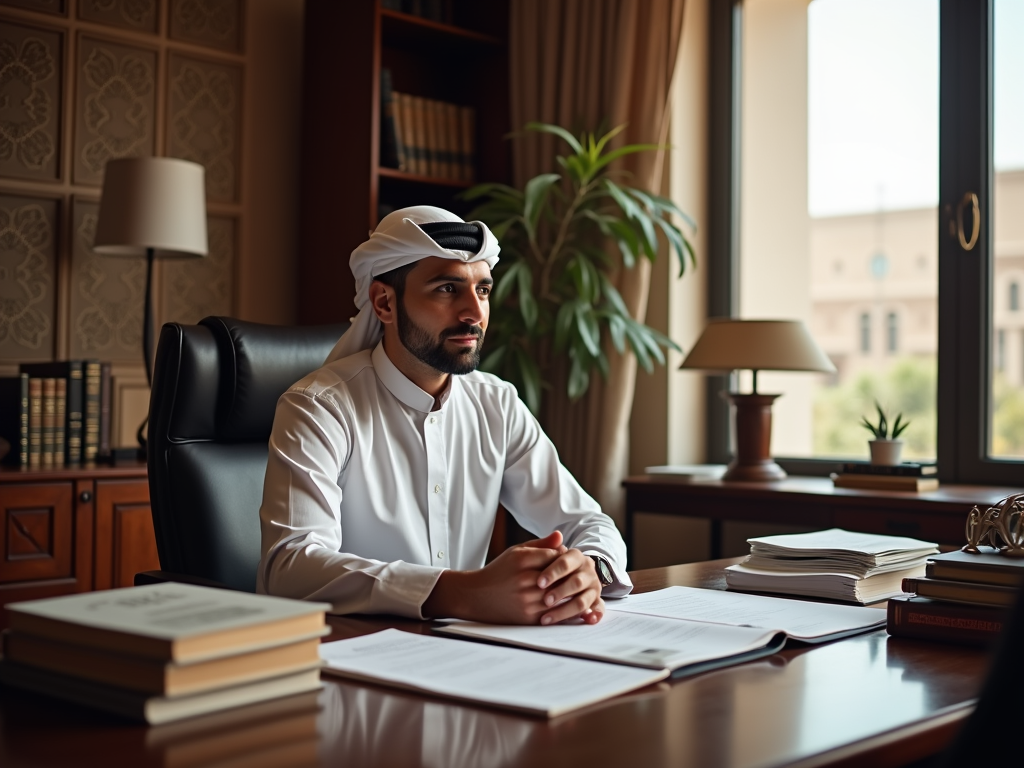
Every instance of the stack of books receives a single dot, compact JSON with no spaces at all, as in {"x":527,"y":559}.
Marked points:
{"x":962,"y":598}
{"x":164,"y":652}
{"x":833,"y":564}
{"x":907,"y":476}
{"x":57,"y":413}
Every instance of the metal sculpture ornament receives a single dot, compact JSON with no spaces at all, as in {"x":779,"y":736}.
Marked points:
{"x":1001,"y":526}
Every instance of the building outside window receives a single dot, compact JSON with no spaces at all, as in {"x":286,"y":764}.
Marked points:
{"x":865,"y":332}
{"x":892,"y":332}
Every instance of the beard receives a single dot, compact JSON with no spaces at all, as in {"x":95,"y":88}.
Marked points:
{"x":433,"y":352}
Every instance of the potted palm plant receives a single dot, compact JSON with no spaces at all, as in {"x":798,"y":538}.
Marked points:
{"x":562,"y":236}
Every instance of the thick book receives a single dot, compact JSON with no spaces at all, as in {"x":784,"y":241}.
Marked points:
{"x":182,"y":623}
{"x":430,"y":133}
{"x":156,"y":677}
{"x":106,"y":396}
{"x":837,"y":585}
{"x":91,"y":421}
{"x":389,"y":143}
{"x":684,"y":630}
{"x":924,"y":619}
{"x":49,"y":419}
{"x":510,"y":678}
{"x":14,"y":417}
{"x":60,"y":402}
{"x":885,"y":482}
{"x":153,"y":709}
{"x":467,"y":135}
{"x":961,"y":591}
{"x":35,"y":421}
{"x":906,"y":469}
{"x":73,"y":371}
{"x":986,"y":567}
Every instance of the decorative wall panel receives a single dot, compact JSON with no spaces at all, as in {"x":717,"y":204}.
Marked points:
{"x":107,"y":295}
{"x":215,"y":23}
{"x":59,"y":7}
{"x":196,"y":288}
{"x":27,"y":269}
{"x":140,"y":15}
{"x":203,"y":120}
{"x":30,"y":99}
{"x":115,"y":106}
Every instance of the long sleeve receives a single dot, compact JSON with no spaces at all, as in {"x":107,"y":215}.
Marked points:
{"x":543,"y":496}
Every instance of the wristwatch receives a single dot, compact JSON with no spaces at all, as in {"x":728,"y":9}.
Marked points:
{"x":604,"y":571}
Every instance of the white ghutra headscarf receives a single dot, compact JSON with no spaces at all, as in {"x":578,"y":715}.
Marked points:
{"x":397,"y":241}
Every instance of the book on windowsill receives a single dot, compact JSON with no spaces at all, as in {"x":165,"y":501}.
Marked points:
{"x":171,"y":622}
{"x":921,"y":618}
{"x":986,"y":567}
{"x":832,"y":564}
{"x":508,"y":678}
{"x":906,"y":469}
{"x":686,"y":473}
{"x":961,"y":591}
{"x":684,"y":630}
{"x":885,"y":482}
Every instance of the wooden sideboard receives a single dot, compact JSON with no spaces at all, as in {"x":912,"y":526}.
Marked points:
{"x":937,"y":516}
{"x":73,"y":529}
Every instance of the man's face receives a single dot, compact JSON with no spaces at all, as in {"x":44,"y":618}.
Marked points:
{"x":443,"y":313}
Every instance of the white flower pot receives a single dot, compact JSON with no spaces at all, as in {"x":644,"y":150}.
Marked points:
{"x":885,"y":452}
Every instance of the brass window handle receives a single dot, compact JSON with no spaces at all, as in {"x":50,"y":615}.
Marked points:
{"x":972,"y":198}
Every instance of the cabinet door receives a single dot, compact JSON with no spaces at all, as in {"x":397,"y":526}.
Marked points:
{"x":125,"y":543}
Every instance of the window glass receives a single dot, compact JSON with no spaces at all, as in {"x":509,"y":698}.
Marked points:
{"x":1006,"y":432}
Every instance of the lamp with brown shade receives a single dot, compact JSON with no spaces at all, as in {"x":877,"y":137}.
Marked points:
{"x":756,"y":345}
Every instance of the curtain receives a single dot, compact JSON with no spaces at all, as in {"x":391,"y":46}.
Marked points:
{"x":584,"y":65}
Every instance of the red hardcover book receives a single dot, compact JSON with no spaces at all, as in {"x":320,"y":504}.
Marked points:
{"x":960,"y":623}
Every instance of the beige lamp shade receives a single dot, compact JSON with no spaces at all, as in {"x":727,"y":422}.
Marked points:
{"x":759,"y":345}
{"x":152,"y":202}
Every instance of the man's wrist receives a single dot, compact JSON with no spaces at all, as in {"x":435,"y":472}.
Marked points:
{"x":445,"y":599}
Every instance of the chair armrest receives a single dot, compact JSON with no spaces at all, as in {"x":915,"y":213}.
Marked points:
{"x":163,"y":577}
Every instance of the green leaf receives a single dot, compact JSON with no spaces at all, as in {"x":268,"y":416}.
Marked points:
{"x":492,"y":189}
{"x":527,"y":303}
{"x":679,"y":244}
{"x":579,"y":379}
{"x":529,"y":375}
{"x":648,"y":238}
{"x":617,"y":329}
{"x":629,"y":149}
{"x":569,"y":139}
{"x":537,"y":190}
{"x":614,"y":297}
{"x":506,"y":282}
{"x":627,"y":240}
{"x":563,"y":324}
{"x":599,"y":147}
{"x":589,"y":331}
{"x":670,"y":207}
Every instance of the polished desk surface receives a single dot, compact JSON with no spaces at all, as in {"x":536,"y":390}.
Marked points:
{"x":866,"y":700}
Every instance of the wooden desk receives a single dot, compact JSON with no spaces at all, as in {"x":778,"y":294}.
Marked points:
{"x":937,"y":515}
{"x":867,"y":700}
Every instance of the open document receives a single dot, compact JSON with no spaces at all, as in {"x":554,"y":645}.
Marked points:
{"x":511,"y":678}
{"x":685,"y":630}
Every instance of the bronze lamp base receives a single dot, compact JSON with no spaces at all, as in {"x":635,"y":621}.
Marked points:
{"x":753,"y":461}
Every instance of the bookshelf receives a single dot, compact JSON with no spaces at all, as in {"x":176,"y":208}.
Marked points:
{"x":461,"y":60}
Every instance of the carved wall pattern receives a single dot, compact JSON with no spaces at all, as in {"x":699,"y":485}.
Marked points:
{"x":58,"y":7}
{"x":203,"y":121}
{"x":27,"y":261}
{"x":134,"y":91}
{"x":107,"y":300}
{"x":196,"y":288}
{"x":30,"y":86}
{"x":215,"y":23}
{"x":131,"y":14}
{"x":28,"y":534}
{"x":115,"y":106}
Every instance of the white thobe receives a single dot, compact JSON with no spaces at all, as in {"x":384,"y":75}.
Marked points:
{"x":370,"y":493}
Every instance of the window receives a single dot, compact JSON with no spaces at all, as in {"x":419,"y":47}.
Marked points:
{"x":865,"y":332}
{"x":919,"y":159}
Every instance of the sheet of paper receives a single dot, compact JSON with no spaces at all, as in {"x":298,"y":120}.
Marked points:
{"x":506,"y":677}
{"x":800,"y":619}
{"x":839,"y":539}
{"x":628,"y":638}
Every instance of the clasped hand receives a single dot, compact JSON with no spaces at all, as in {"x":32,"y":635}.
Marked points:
{"x":538,"y":582}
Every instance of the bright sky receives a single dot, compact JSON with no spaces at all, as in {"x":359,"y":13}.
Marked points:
{"x":873,"y":111}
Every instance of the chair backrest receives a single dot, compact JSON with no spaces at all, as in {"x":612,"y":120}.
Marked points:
{"x":215,"y":389}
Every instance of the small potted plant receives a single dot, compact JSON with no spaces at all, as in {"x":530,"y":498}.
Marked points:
{"x":886,"y":447}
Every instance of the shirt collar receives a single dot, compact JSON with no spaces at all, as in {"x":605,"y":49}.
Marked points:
{"x":399,"y":385}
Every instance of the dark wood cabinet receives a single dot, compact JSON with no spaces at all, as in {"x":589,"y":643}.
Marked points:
{"x":463,"y":60}
{"x":73,"y":529}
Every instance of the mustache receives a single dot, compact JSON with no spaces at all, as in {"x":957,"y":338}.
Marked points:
{"x":464,"y":329}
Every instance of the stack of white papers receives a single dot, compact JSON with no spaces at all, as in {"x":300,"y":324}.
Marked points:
{"x":835,"y":564}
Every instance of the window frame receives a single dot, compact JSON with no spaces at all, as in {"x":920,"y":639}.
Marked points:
{"x":965,"y":300}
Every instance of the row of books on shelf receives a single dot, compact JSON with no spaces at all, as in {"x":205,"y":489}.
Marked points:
{"x":908,"y":476}
{"x":961,"y":598}
{"x":425,"y":136}
{"x":56,"y":413}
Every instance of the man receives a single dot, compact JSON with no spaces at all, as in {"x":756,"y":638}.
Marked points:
{"x":387,"y":465}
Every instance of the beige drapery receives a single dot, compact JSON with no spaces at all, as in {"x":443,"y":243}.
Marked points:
{"x":576,"y":63}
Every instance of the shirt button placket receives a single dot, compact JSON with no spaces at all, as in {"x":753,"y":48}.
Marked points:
{"x":437,"y":502}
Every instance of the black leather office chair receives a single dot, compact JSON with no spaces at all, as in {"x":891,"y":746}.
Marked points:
{"x":215,"y":388}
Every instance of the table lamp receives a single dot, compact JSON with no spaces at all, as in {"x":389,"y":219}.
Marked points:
{"x":757,"y":345}
{"x":153,"y":207}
